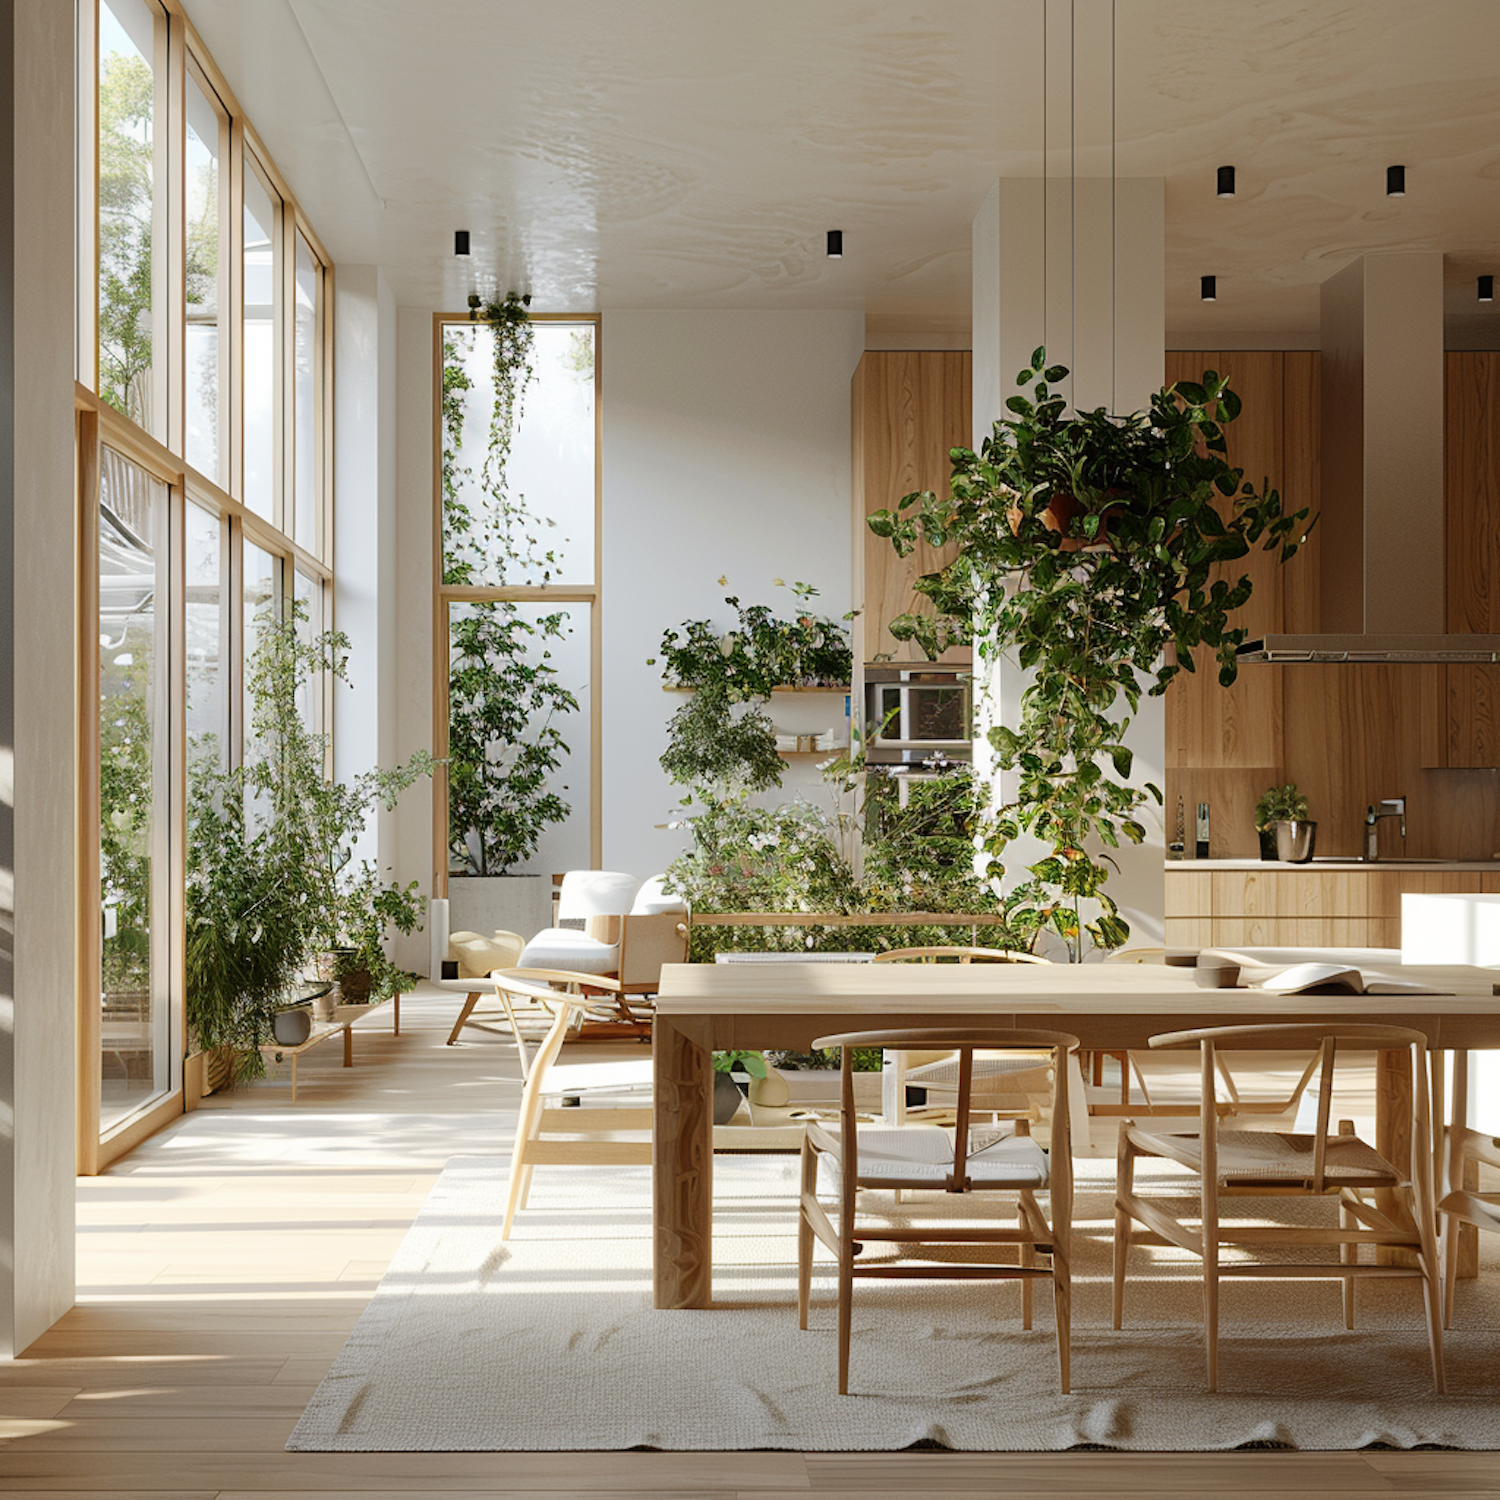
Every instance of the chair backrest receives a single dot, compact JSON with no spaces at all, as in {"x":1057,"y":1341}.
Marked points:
{"x":1326,"y":1041}
{"x":592,"y":893}
{"x":956,"y":953}
{"x":648,"y":942}
{"x":964,"y":1042}
{"x":653,"y":898}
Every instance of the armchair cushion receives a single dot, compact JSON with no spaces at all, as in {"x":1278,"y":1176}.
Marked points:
{"x":588,"y":893}
{"x":652,"y":899}
{"x":574,"y":952}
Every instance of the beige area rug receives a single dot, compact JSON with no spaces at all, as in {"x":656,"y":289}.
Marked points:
{"x":551,"y":1343}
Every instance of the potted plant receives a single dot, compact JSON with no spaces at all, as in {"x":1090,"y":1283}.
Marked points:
{"x":270,"y":877}
{"x":1160,"y":517}
{"x":727,"y":1092}
{"x":1277,"y":804}
{"x":507,"y":703}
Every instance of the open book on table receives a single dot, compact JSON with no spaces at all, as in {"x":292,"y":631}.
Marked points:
{"x":1336,"y":979}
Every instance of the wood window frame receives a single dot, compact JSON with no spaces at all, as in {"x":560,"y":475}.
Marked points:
{"x":445,"y":595}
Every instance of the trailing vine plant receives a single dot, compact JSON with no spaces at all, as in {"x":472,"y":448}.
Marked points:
{"x":505,"y":694}
{"x":1087,"y":546}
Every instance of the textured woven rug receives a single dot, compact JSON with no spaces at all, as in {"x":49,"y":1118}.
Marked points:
{"x":551,"y":1343}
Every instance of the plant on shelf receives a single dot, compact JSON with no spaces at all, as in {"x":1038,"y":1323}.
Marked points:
{"x":751,"y":1063}
{"x":1088,"y":544}
{"x":271,"y":880}
{"x":1278,"y":804}
{"x":721,"y":743}
{"x":506,"y":697}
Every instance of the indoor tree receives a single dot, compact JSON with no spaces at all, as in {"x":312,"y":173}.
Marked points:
{"x":1098,"y":553}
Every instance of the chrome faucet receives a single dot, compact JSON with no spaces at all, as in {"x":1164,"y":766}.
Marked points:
{"x":1390,"y":807}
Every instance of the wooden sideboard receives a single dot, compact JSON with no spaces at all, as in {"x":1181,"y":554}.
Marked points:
{"x":1240,"y":903}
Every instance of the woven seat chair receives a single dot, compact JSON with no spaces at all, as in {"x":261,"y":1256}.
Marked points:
{"x":1462,"y":1202}
{"x":1274,"y":1164}
{"x":926,"y":1156}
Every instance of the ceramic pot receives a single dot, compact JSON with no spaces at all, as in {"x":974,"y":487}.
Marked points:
{"x":771,"y":1091}
{"x":726,"y":1098}
{"x":292,"y":1027}
{"x":323,"y":1005}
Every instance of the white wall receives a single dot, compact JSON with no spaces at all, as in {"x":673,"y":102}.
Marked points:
{"x":38,"y":667}
{"x":726,"y":452}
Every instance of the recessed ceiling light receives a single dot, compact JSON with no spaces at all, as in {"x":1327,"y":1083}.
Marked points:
{"x":1226,"y":182}
{"x":1210,"y":288}
{"x":1486,"y":288}
{"x":835,"y":244}
{"x":460,"y":241}
{"x":1395,"y":182}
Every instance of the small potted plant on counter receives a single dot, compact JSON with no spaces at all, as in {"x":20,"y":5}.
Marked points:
{"x":1280,"y":804}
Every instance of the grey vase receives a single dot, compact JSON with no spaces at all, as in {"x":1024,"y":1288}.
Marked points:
{"x":292,"y":1027}
{"x":726,"y":1098}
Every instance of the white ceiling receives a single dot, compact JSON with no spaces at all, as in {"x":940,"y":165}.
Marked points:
{"x":692,"y":153}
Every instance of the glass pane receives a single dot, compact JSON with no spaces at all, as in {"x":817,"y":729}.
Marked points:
{"x":207,"y":702}
{"x":309,"y":297}
{"x":261,"y":574}
{"x":526,"y":516}
{"x":309,"y":597}
{"x":202,"y":448}
{"x":134,"y":1065}
{"x":518,"y":737}
{"x":127,"y":192}
{"x":260,"y":342}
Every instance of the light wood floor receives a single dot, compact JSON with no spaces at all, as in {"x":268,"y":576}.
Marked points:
{"x":222,"y":1265}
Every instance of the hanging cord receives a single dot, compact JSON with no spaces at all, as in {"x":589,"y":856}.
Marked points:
{"x":1114,"y":244}
{"x":1073,"y":203}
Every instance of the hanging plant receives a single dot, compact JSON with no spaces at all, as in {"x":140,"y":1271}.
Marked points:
{"x":506,"y":697}
{"x":1087,"y":545}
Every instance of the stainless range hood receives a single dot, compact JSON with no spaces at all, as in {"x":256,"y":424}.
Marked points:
{"x":1285,"y":649}
{"x":1382,"y":585}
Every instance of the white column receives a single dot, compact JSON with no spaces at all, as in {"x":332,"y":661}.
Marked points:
{"x":38,"y":663}
{"x":1076,"y":264}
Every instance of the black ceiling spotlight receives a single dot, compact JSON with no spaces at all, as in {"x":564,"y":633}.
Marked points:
{"x":1210,"y":288}
{"x":1395,"y":182}
{"x":1226,"y":182}
{"x":835,"y":244}
{"x":1486,"y":288}
{"x":460,"y":241}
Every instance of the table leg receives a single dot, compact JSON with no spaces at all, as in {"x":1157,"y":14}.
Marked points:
{"x":348,"y":1046}
{"x":682,"y":1165}
{"x":470,"y":1001}
{"x":294,"y":1078}
{"x":396,"y":1013}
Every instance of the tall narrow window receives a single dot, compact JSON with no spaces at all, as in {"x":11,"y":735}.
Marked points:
{"x":262,"y":212}
{"x":203,"y":446}
{"x":130,"y":214}
{"x":306,"y":490}
{"x":262,"y":585}
{"x":134,"y":1028}
{"x":308,"y":593}
{"x":205,"y":627}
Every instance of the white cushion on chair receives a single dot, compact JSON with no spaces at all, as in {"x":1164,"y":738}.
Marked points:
{"x":652,"y":899}
{"x":595,"y":893}
{"x":575,"y":952}
{"x":925,"y":1152}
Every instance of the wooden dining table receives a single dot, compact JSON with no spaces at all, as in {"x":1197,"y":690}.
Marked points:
{"x":704,"y":1008}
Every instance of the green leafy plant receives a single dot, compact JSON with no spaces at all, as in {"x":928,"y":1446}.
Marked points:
{"x":271,"y":879}
{"x":1280,"y":804}
{"x":506,"y":699}
{"x":1086,"y":546}
{"x":753,"y":1063}
{"x":721,"y":743}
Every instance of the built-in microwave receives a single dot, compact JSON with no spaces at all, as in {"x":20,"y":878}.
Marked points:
{"x":916,"y":713}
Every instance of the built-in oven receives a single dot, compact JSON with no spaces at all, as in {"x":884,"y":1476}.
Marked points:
{"x":917,"y":713}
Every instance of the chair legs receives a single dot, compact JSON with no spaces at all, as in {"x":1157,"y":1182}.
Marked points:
{"x":805,"y":1236}
{"x":1125,"y":1186}
{"x":1028,"y":1259}
{"x":1062,"y":1305}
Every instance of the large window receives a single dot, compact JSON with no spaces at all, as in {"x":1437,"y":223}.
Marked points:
{"x":202,"y":349}
{"x":518,"y":596}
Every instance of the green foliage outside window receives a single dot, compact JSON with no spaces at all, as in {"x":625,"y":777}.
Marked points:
{"x":506,"y":699}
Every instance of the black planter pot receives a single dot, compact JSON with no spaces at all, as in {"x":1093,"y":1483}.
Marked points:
{"x":1268,"y":843}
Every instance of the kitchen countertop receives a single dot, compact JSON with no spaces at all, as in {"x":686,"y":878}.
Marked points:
{"x":1335,"y":866}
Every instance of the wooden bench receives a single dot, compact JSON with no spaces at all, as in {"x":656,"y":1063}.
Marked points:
{"x":344,"y":1017}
